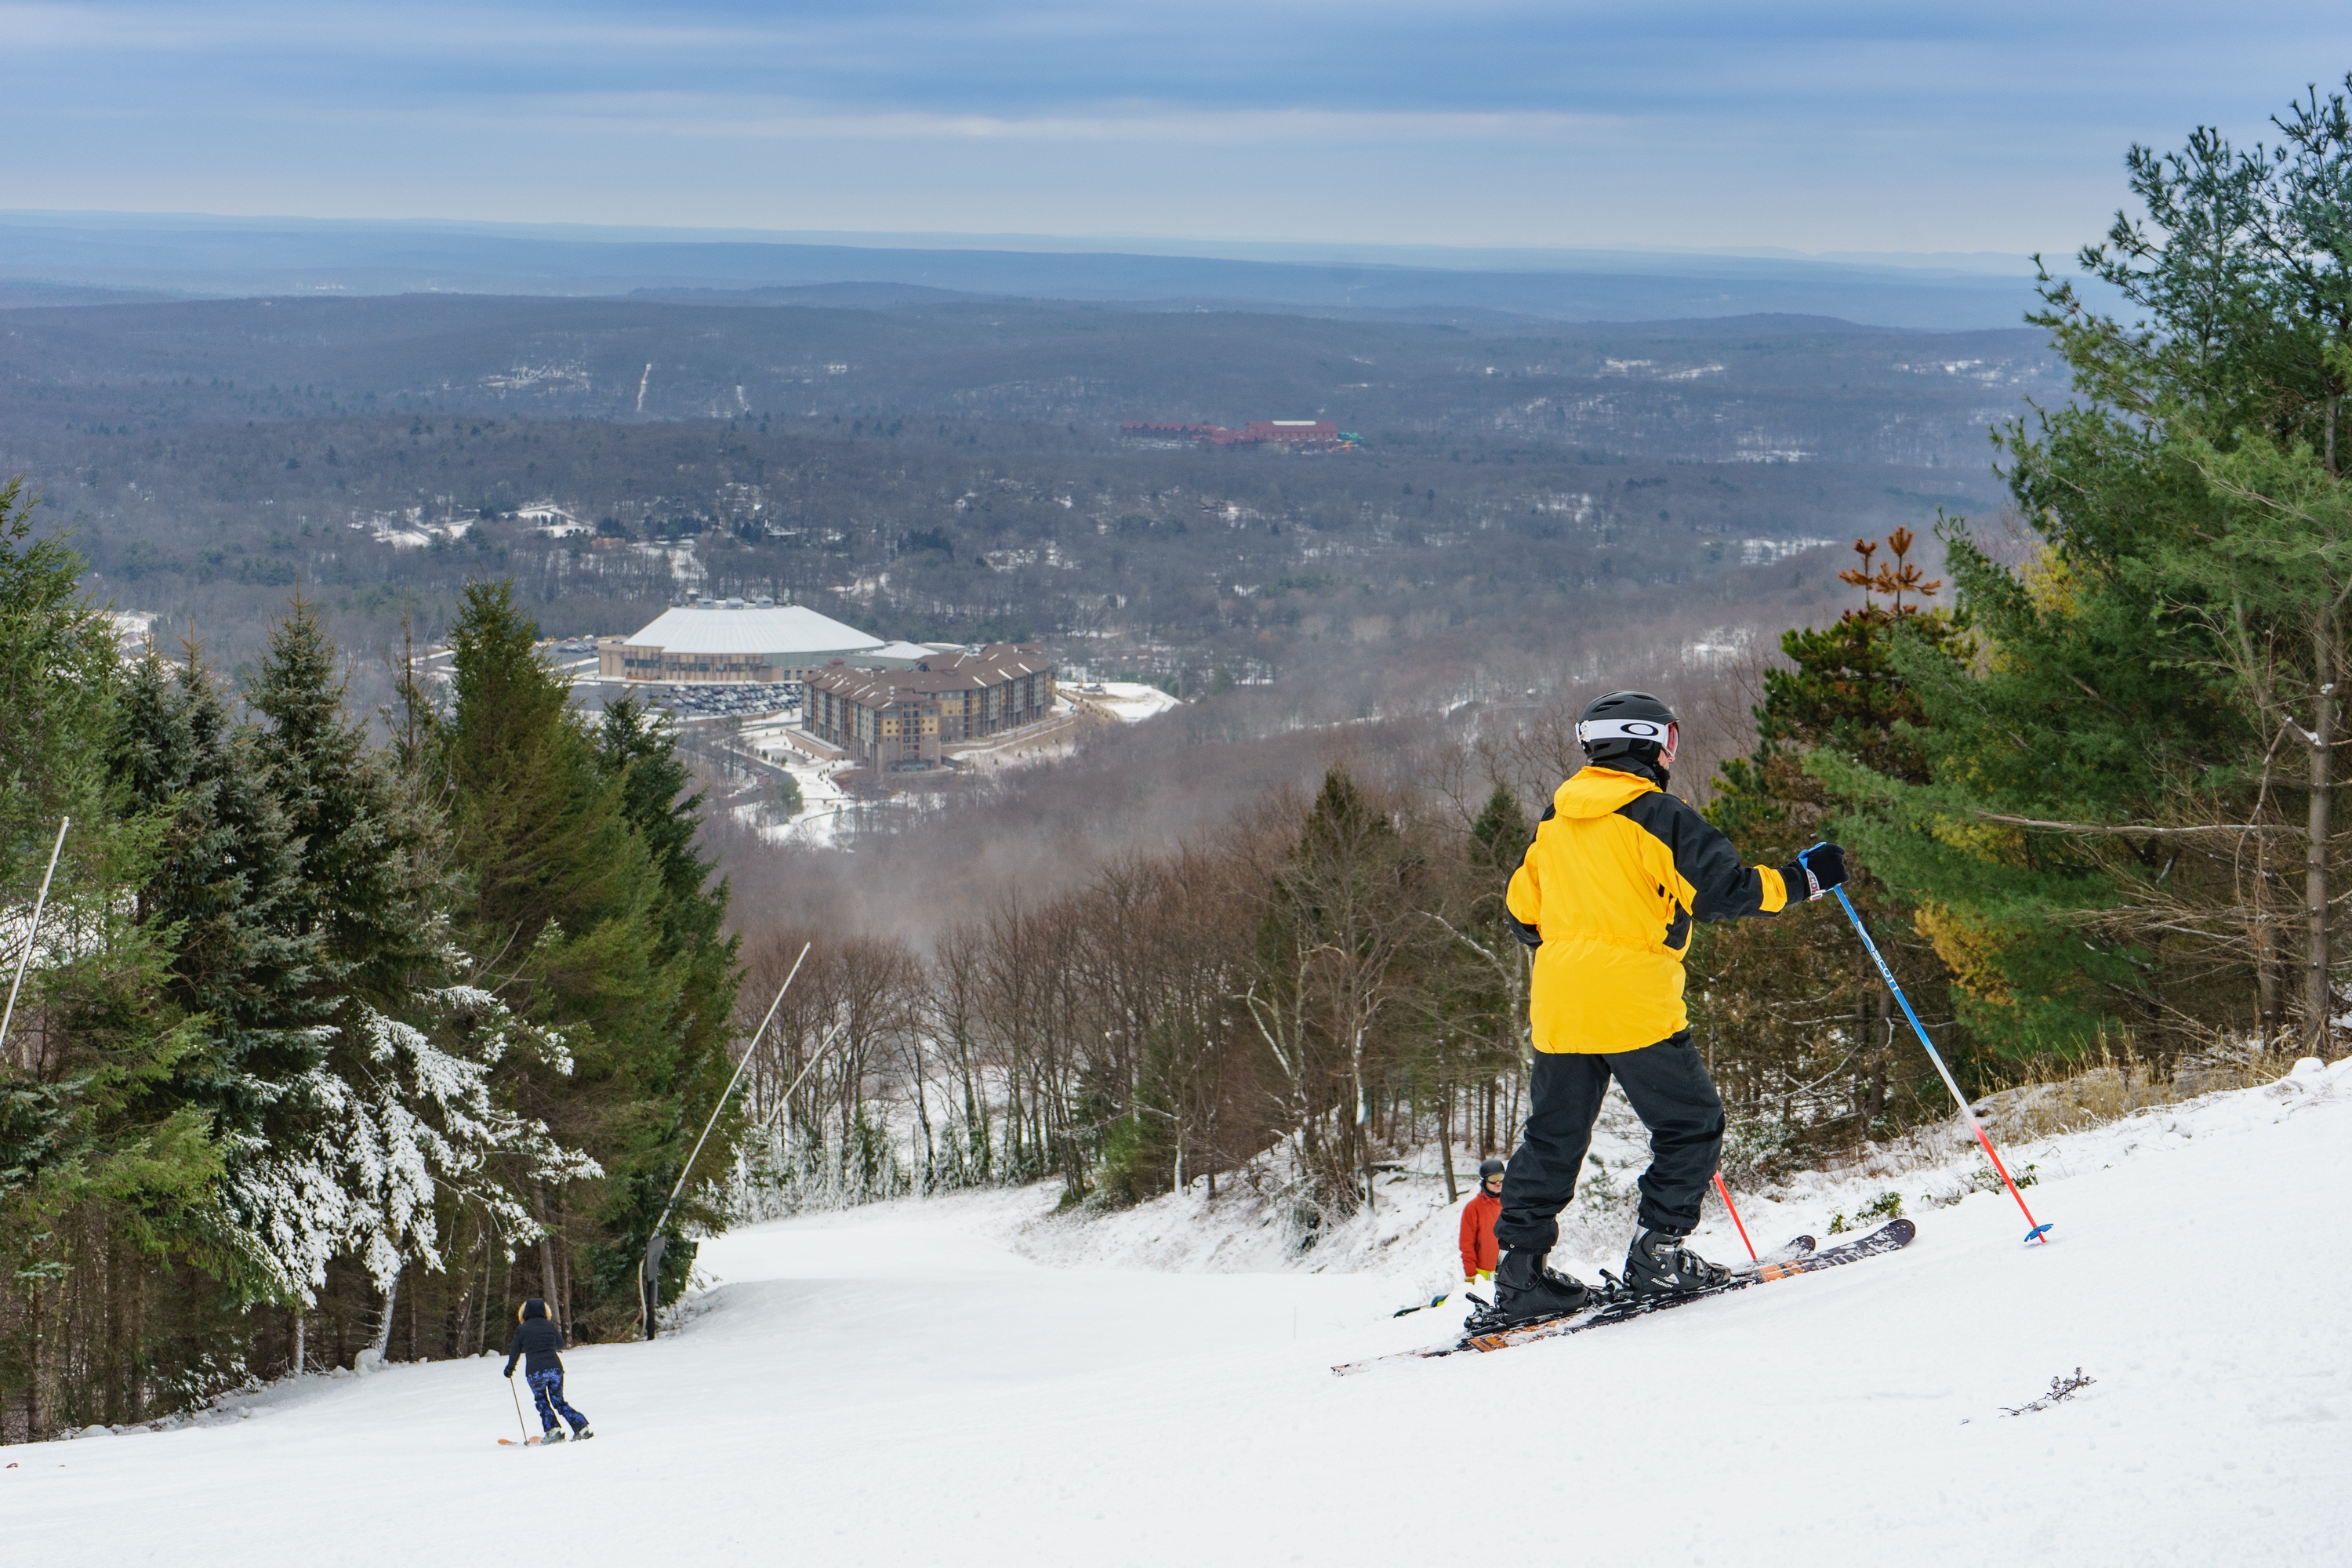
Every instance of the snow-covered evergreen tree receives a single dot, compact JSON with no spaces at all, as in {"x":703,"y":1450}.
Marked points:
{"x":400,"y":1121}
{"x":409,"y":1125}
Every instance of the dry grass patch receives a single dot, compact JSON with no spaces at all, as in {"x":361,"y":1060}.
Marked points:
{"x":2067,"y":1095}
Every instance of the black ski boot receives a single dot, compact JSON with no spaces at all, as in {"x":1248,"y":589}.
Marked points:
{"x":1657,"y":1264}
{"x":1526,"y":1291}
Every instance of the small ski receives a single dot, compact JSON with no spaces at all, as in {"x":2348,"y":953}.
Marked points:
{"x":1618,"y":1308}
{"x":517,"y":1442}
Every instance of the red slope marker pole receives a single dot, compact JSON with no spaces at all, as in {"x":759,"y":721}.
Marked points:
{"x":2040,"y":1232}
{"x":1735,"y":1218}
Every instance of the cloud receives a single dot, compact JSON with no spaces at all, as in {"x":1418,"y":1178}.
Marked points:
{"x":1811,"y":123}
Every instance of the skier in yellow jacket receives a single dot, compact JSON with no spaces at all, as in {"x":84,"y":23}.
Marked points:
{"x":1606,"y":895}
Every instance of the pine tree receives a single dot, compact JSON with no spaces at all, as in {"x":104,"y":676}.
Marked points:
{"x":399,"y":1123}
{"x":1799,"y":1029}
{"x":2130,"y":794}
{"x":368,"y":853}
{"x":225,"y":890}
{"x":1338,"y":944}
{"x":587,"y":899}
{"x":701,"y":963}
{"x":104,"y":1176}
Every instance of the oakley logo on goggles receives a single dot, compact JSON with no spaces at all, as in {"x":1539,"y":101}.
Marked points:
{"x":1591,"y":730}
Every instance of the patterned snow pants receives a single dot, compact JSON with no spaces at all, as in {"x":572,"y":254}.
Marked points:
{"x":547,"y":1392}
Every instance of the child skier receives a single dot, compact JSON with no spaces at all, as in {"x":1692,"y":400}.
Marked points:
{"x":1478,"y":1252}
{"x":1606,"y":895}
{"x":536,"y":1341}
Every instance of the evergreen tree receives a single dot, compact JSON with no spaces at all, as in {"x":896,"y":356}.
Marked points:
{"x":2117,"y":787}
{"x":642,"y":757}
{"x":1800,"y":1030}
{"x":1492,"y":996}
{"x":104,"y":1176}
{"x":225,"y":894}
{"x":399,"y":1123}
{"x":367,"y":851}
{"x":59,"y":686}
{"x":587,"y":898}
{"x":1339,"y":942}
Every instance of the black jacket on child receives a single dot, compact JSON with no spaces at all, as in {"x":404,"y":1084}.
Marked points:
{"x":536,"y":1340}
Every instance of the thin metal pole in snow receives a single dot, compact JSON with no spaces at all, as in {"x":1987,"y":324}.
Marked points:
{"x":649,"y":1287}
{"x":1735,"y":1218}
{"x":25,"y":957}
{"x":2040,"y":1232}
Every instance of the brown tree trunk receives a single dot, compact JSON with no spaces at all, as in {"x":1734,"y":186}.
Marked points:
{"x":2267,"y":1000}
{"x":33,"y":1433}
{"x":1445,"y":1139}
{"x":2317,"y":991}
{"x":547,"y":1257}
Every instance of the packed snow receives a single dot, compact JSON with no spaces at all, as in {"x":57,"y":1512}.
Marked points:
{"x":1130,"y":701}
{"x":974,"y":1379}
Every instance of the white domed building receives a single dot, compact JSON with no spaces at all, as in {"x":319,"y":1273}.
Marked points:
{"x":735,"y":642}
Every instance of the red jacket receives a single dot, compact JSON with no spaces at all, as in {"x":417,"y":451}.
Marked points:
{"x":1479,"y":1252}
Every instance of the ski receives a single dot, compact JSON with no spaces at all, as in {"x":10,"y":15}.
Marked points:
{"x":1795,"y":1247}
{"x":1787,"y":1252}
{"x":1618,"y":1308}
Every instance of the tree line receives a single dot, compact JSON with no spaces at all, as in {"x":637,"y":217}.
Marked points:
{"x":328,"y":1042}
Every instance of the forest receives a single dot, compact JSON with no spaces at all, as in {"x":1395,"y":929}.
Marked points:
{"x":337,"y":1030}
{"x":956,"y":472}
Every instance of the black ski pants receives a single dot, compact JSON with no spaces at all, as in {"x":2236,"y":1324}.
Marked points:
{"x":1668,"y":1087}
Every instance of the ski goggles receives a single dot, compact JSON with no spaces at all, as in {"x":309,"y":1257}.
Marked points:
{"x":1665,"y":735}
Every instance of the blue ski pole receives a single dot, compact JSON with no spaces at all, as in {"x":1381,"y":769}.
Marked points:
{"x":2040,"y":1232}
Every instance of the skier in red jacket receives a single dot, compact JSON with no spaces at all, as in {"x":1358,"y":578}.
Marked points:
{"x":1478,"y":1216}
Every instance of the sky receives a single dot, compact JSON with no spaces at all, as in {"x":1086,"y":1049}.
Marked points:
{"x":1807,"y":125}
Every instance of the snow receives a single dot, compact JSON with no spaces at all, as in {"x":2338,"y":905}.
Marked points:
{"x":1129,"y":701}
{"x":970,"y":1380}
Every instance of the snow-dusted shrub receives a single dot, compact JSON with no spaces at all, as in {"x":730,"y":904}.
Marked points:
{"x":401,"y":1118}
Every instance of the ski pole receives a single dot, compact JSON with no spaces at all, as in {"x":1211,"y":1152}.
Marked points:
{"x":1735,"y":1218}
{"x":2040,"y":1232}
{"x":749,"y":1051}
{"x":520,"y":1430}
{"x":35,"y":930}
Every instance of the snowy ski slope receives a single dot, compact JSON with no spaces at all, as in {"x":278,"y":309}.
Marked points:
{"x":909,"y":1384}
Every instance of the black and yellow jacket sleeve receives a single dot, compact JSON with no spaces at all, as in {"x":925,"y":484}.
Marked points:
{"x":1606,"y":895}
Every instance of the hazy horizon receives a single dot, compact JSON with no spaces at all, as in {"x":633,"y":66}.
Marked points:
{"x":1820,"y":128}
{"x":1463,"y":256}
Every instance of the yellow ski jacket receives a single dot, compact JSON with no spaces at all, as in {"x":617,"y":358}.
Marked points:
{"x":1606,"y":895}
